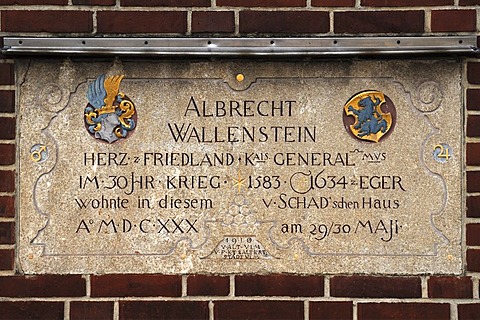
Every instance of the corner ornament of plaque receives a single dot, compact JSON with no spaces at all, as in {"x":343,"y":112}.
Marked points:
{"x":374,"y":115}
{"x":110,"y":114}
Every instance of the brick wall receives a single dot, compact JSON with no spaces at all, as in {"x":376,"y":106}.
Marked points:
{"x":238,"y":296}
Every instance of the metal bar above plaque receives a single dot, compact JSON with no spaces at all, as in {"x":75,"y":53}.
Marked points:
{"x":245,"y":47}
{"x":240,"y":166}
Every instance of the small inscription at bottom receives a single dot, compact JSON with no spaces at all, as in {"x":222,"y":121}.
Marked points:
{"x":239,"y":248}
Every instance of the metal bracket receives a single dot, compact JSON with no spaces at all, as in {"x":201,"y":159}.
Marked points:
{"x":241,"y":47}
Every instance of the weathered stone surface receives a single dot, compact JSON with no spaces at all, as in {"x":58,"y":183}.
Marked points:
{"x":253,"y":173}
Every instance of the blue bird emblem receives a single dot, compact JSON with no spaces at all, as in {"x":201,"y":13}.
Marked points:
{"x":110,"y":115}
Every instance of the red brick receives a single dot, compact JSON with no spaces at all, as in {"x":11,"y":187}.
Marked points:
{"x":473,"y":99}
{"x":473,"y":260}
{"x":34,"y":2}
{"x":284,"y":22}
{"x":454,"y":20}
{"x":7,"y":181}
{"x":258,"y":310}
{"x":47,"y":21}
{"x":7,"y":154}
{"x":7,"y":258}
{"x":468,"y":311}
{"x":375,"y":287}
{"x":164,"y":310}
{"x":136,"y":285}
{"x":43,"y":286}
{"x":437,"y":311}
{"x":279,"y":285}
{"x":262,"y":3}
{"x":165,"y":3}
{"x":201,"y":285}
{"x":473,"y":206}
{"x":333,"y":3}
{"x":7,"y":101}
{"x":473,"y":154}
{"x":473,"y":234}
{"x":7,"y":233}
{"x":341,"y":310}
{"x":80,"y":310}
{"x":1,"y":46}
{"x":7,"y":206}
{"x":31,"y":310}
{"x":473,"y":72}
{"x":473,"y":181}
{"x":94,"y":2}
{"x":473,"y":126}
{"x":469,"y":2}
{"x":450,"y":287}
{"x":405,"y":3}
{"x":6,"y":73}
{"x":142,"y":22}
{"x":8,"y":127}
{"x":379,"y":22}
{"x":209,"y":21}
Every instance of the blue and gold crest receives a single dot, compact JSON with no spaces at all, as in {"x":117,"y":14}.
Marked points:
{"x":110,"y":114}
{"x":372,"y":121}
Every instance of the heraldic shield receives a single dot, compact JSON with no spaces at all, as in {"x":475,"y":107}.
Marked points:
{"x":371,"y":123}
{"x":110,"y":114}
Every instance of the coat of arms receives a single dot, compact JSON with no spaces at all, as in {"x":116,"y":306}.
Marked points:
{"x":110,"y":114}
{"x":371,"y":122}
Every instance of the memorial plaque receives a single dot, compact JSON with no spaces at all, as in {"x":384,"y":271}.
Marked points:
{"x":240,"y":166}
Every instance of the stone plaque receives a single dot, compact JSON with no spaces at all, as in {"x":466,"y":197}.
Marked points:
{"x":240,"y":166}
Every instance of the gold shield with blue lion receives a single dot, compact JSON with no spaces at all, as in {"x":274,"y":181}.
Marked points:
{"x":374,"y":115}
{"x":110,"y":114}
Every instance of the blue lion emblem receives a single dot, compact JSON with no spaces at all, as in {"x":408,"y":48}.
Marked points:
{"x":369,"y":121}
